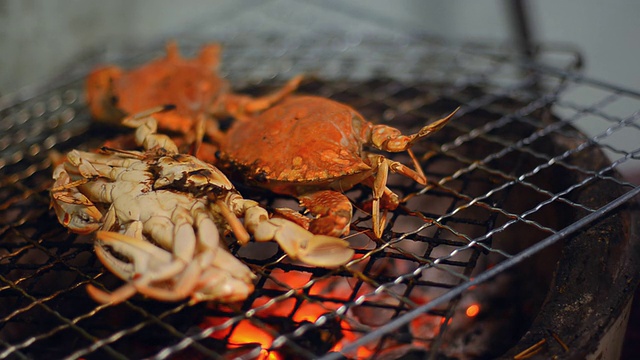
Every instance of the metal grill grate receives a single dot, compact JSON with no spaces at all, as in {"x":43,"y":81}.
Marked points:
{"x":509,"y":177}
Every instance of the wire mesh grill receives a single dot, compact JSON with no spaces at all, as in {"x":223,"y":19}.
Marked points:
{"x":505,"y":177}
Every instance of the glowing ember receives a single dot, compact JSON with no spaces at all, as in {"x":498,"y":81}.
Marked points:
{"x":350,"y":336}
{"x":309,"y":312}
{"x":285,"y":315}
{"x":293,"y":279}
{"x":246,"y":332}
{"x":473,"y":310}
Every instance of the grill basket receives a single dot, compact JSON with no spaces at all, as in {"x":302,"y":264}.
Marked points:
{"x":524,"y":216}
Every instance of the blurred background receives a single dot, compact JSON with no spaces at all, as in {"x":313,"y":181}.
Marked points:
{"x":39,"y":40}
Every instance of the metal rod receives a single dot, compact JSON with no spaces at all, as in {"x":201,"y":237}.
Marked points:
{"x":521,"y":25}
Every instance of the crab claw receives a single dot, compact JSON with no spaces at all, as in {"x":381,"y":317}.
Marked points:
{"x":159,"y":274}
{"x":74,"y":210}
{"x":300,"y":244}
{"x":390,"y":139}
{"x":215,"y":284}
{"x":326,"y":251}
{"x":147,"y":263}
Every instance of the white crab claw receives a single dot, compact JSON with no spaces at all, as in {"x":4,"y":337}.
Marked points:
{"x":73,"y":209}
{"x":76,"y":212}
{"x":159,"y":274}
{"x":326,"y":251}
{"x":220,"y":285}
{"x":317,"y":250}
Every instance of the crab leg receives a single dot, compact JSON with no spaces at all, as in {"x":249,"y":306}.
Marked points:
{"x":142,"y":254}
{"x":333,"y":210}
{"x":297,"y":242}
{"x":147,"y":128}
{"x":381,"y":167}
{"x":390,"y":139}
{"x":421,"y":177}
{"x":238,"y":270}
{"x":236,"y":226}
{"x":117,"y":296}
{"x":149,"y":263}
{"x":152,"y":265}
{"x":382,"y":196}
{"x":240,"y":106}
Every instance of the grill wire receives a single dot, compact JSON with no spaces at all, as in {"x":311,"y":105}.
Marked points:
{"x":510,"y":154}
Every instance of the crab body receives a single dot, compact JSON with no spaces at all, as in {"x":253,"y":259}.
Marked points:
{"x":193,"y":86}
{"x":317,"y":147}
{"x":314,"y":148}
{"x":165,"y":212}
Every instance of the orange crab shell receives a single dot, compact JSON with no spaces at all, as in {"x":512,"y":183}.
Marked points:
{"x":192,"y":85}
{"x":322,"y":148}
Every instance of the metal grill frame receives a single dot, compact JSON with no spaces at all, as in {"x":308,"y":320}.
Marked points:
{"x":58,"y":115}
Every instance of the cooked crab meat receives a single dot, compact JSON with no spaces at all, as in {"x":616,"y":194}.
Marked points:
{"x":314,"y":149}
{"x":164,"y":215}
{"x":193,"y":86}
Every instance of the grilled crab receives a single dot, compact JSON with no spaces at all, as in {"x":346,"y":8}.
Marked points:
{"x":313,"y":148}
{"x":159,"y":214}
{"x":192,"y":85}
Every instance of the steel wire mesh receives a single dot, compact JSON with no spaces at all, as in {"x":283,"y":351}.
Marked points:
{"x":504,"y":175}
